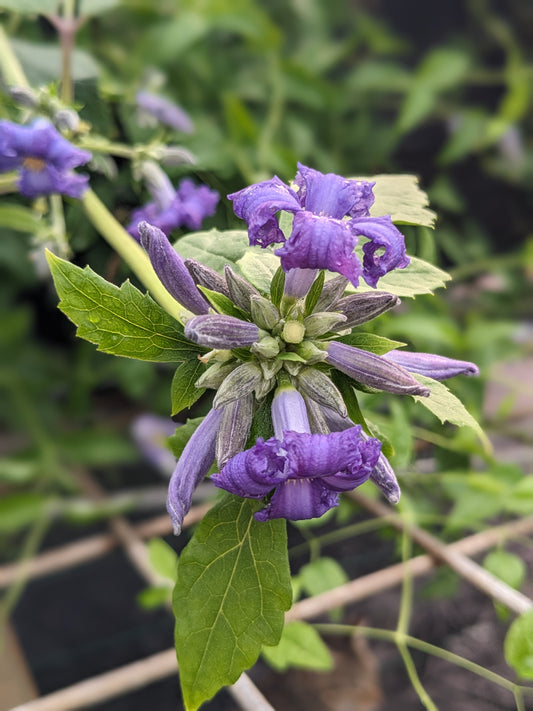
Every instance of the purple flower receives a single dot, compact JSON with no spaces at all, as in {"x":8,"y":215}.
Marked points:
{"x":432,"y":366}
{"x":164,"y":111}
{"x":306,"y":471}
{"x":194,"y":463}
{"x":171,"y":270}
{"x":43,"y":158}
{"x":150,"y":433}
{"x":186,"y":206}
{"x":321,"y":238}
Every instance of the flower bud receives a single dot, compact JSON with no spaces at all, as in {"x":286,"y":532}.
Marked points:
{"x":293,"y":332}
{"x":239,"y":383}
{"x":215,"y":375}
{"x":432,"y":366}
{"x":175,"y":155}
{"x":267,"y":347}
{"x":360,"y":308}
{"x":264,"y":387}
{"x":317,"y":421}
{"x":264,"y":313}
{"x":234,"y":429}
{"x":321,"y":322}
{"x":331,"y":293}
{"x":240,"y":289}
{"x":270,"y":368}
{"x":67,"y":120}
{"x":310,"y":352}
{"x":24,"y":96}
{"x":221,"y":331}
{"x":373,"y":370}
{"x":205,"y":276}
{"x":316,"y":385}
{"x":298,"y":282}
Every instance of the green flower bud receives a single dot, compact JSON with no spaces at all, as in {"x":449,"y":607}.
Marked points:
{"x":293,"y":332}
{"x":318,"y":386}
{"x":267,"y":347}
{"x":239,"y":383}
{"x":234,"y":429}
{"x":331,"y":292}
{"x":311,"y":352}
{"x":319,"y":323}
{"x":264,"y":313}
{"x":215,"y":375}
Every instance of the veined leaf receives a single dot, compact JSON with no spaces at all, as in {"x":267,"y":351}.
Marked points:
{"x":232,"y":591}
{"x":401,"y":197}
{"x":259,"y":266}
{"x":214,"y":248}
{"x":370,"y":342}
{"x":418,"y":277}
{"x":120,"y":320}
{"x":183,"y":391}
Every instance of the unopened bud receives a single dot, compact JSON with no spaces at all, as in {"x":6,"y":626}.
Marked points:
{"x":215,"y":375}
{"x":240,"y":289}
{"x":67,"y":120}
{"x":270,"y":368}
{"x":331,"y":292}
{"x":221,"y":331}
{"x":234,"y":429}
{"x":316,"y":385}
{"x":264,"y":312}
{"x":310,"y":352}
{"x":321,"y":322}
{"x":205,"y":276}
{"x":267,"y":347}
{"x":264,"y":387}
{"x":175,"y":155}
{"x":293,"y":332}
{"x":24,"y":96}
{"x":239,"y":383}
{"x":317,"y":421}
{"x":360,"y":308}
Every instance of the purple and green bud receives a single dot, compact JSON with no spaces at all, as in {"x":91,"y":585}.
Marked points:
{"x":373,"y":370}
{"x":171,"y":269}
{"x":432,"y":366}
{"x":298,"y":282}
{"x":164,"y":111}
{"x":207,"y":277}
{"x":238,"y":384}
{"x":221,"y":331}
{"x":240,"y":289}
{"x":267,"y":347}
{"x":319,"y":387}
{"x":360,"y":308}
{"x":331,"y":292}
{"x":215,"y":375}
{"x":234,"y":428}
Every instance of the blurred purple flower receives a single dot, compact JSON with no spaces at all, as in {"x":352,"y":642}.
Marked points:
{"x":150,"y":433}
{"x":321,"y":238}
{"x":164,"y":111}
{"x":43,"y":159}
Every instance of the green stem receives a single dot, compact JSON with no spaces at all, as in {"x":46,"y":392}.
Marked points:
{"x":130,"y":251}
{"x":8,"y":183}
{"x":427,"y":648}
{"x":58,"y":225}
{"x":10,"y":65}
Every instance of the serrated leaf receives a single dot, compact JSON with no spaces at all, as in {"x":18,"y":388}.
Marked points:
{"x":401,"y":197}
{"x":120,"y":320}
{"x":232,"y":591}
{"x":300,"y":646}
{"x":183,"y":391}
{"x":259,"y":266}
{"x":418,"y":277}
{"x":448,"y":408}
{"x":222,"y":304}
{"x":214,"y":248}
{"x":518,"y":645}
{"x":370,"y":342}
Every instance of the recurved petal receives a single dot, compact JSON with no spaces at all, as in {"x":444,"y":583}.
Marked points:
{"x":258,"y":204}
{"x":255,"y":472}
{"x":330,"y":194}
{"x":386,"y":249}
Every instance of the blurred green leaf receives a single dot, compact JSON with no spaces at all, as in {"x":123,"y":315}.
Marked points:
{"x":300,"y":647}
{"x":16,"y":217}
{"x":154,"y":597}
{"x":518,"y":645}
{"x":17,"y":511}
{"x":321,"y":575}
{"x":42,"y":62}
{"x":520,"y":500}
{"x":163,"y":558}
{"x":506,"y":566}
{"x":50,"y":7}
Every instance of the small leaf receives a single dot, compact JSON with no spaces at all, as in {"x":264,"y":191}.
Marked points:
{"x":222,"y":304}
{"x":163,"y":558}
{"x":20,"y":510}
{"x":232,"y":591}
{"x":370,"y":342}
{"x":277,"y":286}
{"x":506,"y":566}
{"x":314,"y":293}
{"x":259,"y":266}
{"x":289,"y":355}
{"x":183,"y":391}
{"x":154,"y":597}
{"x":179,"y":439}
{"x":518,"y":645}
{"x":121,"y":321}
{"x":447,"y":407}
{"x":300,"y":646}
{"x":520,"y":500}
{"x":401,"y":197}
{"x":321,"y":575}
{"x":42,"y":62}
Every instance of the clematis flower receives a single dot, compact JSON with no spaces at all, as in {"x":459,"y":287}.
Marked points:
{"x":321,"y":237}
{"x":431,"y":365}
{"x":162,"y":110}
{"x":306,"y":471}
{"x":186,"y":206}
{"x":43,"y":158}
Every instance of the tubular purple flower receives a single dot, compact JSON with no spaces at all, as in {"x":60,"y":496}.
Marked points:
{"x":171,"y":270}
{"x":305,"y":470}
{"x":321,"y":238}
{"x":373,"y":370}
{"x":220,"y":331}
{"x":432,"y":366}
{"x":164,"y":111}
{"x":298,"y":282}
{"x":192,"y":466}
{"x":43,"y":158}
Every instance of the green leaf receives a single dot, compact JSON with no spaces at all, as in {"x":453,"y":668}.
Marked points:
{"x":163,"y":558}
{"x":42,"y":62}
{"x":448,"y":408}
{"x":289,"y":355}
{"x":16,"y":217}
{"x":370,"y":342}
{"x":418,"y":277}
{"x":344,"y":383}
{"x":321,"y":575}
{"x":300,"y":646}
{"x":154,"y":597}
{"x":232,"y":591}
{"x":314,"y":293}
{"x":18,"y":511}
{"x":277,"y":286}
{"x":518,"y":645}
{"x":506,"y":566}
{"x":401,"y":197}
{"x":214,"y":248}
{"x":259,"y":267}
{"x":179,"y":439}
{"x":222,"y":304}
{"x":520,"y":500}
{"x":50,"y":7}
{"x":120,"y":320}
{"x":183,"y":391}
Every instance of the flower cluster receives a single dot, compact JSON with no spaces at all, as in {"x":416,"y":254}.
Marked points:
{"x":185,"y":206}
{"x":291,"y":354}
{"x":43,"y":158}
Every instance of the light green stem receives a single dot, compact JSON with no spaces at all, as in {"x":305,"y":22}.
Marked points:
{"x":58,"y":225}
{"x":130,"y":251}
{"x":10,"y":65}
